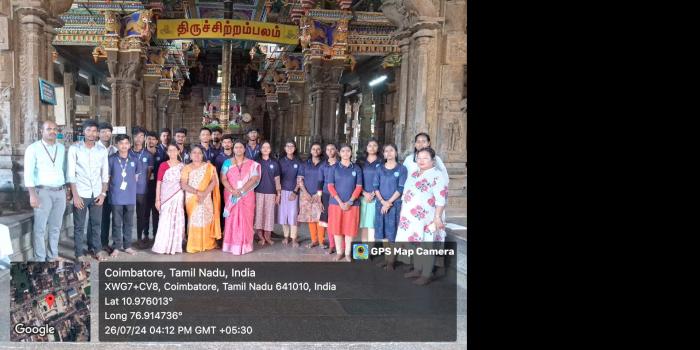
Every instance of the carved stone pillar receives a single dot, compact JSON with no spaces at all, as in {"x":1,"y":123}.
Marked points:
{"x":317,"y":102}
{"x":140,"y":104}
{"x":50,"y":33}
{"x":130,"y":110}
{"x":69,"y":81}
{"x":422,"y":40}
{"x":115,"y":99}
{"x":162,"y":106}
{"x":31,"y":50}
{"x":94,"y":101}
{"x":402,"y":140}
{"x":7,"y":108}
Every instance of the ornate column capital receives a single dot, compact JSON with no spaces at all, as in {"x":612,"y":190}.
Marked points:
{"x":28,"y":15}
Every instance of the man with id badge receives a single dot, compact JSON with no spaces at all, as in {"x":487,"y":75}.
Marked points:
{"x":124,"y":170}
{"x":143,"y":156}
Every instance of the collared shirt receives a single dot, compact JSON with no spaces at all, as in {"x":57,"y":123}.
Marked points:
{"x":289,"y":170}
{"x":160,"y":156}
{"x":130,"y":166}
{"x":111,"y":149}
{"x":269,"y":170}
{"x":369,"y":170}
{"x":388,"y":181}
{"x":88,"y":168}
{"x":210,"y":154}
{"x":326,"y":169}
{"x":146,"y":159}
{"x":185,"y":155}
{"x":220,"y":159}
{"x":44,"y":164}
{"x":312,"y":175}
{"x":252,"y":153}
{"x":345,"y":179}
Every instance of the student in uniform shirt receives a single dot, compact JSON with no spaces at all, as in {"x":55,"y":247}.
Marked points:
{"x":180,"y":135}
{"x":252,"y":148}
{"x":289,"y":207}
{"x":151,"y":143}
{"x":388,"y":188}
{"x":369,"y":165}
{"x":205,"y":141}
{"x":44,"y":178}
{"x":88,"y":175}
{"x":326,"y":169}
{"x":216,"y":139}
{"x":124,"y":171}
{"x":161,"y":156}
{"x":345,"y":186}
{"x":105,"y":130}
{"x":267,"y":194}
{"x":139,"y":152}
{"x":311,"y":185}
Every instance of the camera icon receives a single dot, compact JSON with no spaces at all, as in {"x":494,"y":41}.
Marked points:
{"x":360,"y":251}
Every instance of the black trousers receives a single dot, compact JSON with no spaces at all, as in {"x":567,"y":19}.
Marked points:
{"x":106,"y":222}
{"x":142,"y":210}
{"x":152,"y":212}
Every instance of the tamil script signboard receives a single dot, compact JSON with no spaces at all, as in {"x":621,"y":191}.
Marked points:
{"x":47,"y":93}
{"x":215,"y":28}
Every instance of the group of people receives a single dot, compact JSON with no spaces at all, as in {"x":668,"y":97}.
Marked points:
{"x":226,"y":193}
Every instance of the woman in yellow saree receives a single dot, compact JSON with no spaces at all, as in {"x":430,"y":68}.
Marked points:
{"x":202,"y":201}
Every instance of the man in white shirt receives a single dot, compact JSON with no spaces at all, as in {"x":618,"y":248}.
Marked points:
{"x":88,"y":175}
{"x":44,"y":178}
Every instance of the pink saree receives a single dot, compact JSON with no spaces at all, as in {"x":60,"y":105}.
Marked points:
{"x":239,"y":212}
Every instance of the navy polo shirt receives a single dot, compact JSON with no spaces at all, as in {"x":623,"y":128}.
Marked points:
{"x":326,"y":170}
{"x":388,"y":181}
{"x":289,"y":170}
{"x":369,"y":170}
{"x":252,"y":153}
{"x":345,"y":180}
{"x":161,"y":156}
{"x":185,"y":154}
{"x":146,"y":159}
{"x":132,"y":166}
{"x":220,"y":159}
{"x":313,"y":178}
{"x":210,"y":154}
{"x":269,"y":170}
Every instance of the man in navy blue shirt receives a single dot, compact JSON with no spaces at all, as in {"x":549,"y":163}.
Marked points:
{"x":205,"y":141}
{"x":180,"y":136}
{"x":124,"y":171}
{"x":145,"y":158}
{"x":252,"y":149}
{"x":151,"y":147}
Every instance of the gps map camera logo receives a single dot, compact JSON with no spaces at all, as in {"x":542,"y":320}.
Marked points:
{"x":360,"y":251}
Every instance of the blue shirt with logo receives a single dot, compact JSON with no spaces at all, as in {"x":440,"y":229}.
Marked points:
{"x":289,"y":170}
{"x":345,"y":180}
{"x":269,"y":170}
{"x":146,"y":159}
{"x":388,"y":181}
{"x":313,"y":176}
{"x":326,"y":170}
{"x":131,"y":166}
{"x":369,"y":170}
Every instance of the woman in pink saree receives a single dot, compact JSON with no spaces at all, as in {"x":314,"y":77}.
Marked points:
{"x":239,"y":176}
{"x":170,"y":204}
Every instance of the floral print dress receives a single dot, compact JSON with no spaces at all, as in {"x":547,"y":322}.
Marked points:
{"x":422,"y":194}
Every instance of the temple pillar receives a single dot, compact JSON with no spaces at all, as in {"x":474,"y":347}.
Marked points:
{"x":94,"y":101}
{"x":69,"y":78}
{"x":31,"y":49}
{"x":400,"y":138}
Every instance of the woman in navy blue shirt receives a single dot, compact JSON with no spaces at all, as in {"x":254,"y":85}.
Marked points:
{"x":370,"y":166}
{"x":388,"y":188}
{"x":310,"y":206}
{"x":290,"y":165}
{"x":267,"y":194}
{"x":326,"y":169}
{"x":345,"y":186}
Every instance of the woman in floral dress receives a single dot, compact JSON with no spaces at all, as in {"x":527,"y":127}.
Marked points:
{"x":423,"y":203}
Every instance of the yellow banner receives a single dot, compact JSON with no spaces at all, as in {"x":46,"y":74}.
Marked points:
{"x":216,"y":28}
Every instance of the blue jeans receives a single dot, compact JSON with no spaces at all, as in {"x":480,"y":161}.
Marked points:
{"x":94,"y":226}
{"x":122,"y":225}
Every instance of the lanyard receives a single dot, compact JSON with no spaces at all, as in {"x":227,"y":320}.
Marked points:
{"x":255,"y":151}
{"x":55,"y":153}
{"x":124,"y":166}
